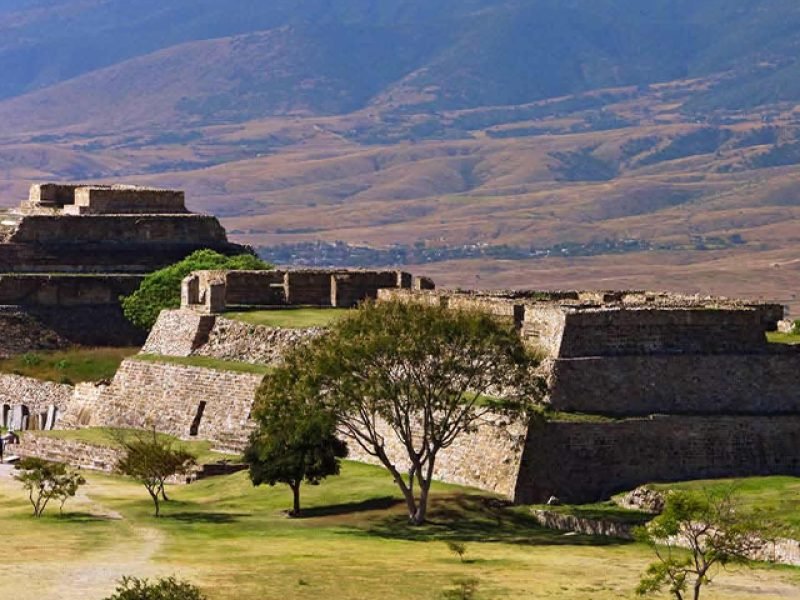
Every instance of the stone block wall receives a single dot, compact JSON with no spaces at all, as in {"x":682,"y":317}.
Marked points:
{"x":757,"y":384}
{"x":487,"y":459}
{"x":27,"y":403}
{"x":178,"y":333}
{"x":125,"y":199}
{"x":584,"y":462}
{"x":65,"y":290}
{"x":661,"y":331}
{"x":180,"y":400}
{"x":255,"y":344}
{"x":69,"y":452}
{"x":322,"y":288}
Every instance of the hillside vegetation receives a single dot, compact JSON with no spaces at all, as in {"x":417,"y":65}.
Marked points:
{"x":498,"y":143}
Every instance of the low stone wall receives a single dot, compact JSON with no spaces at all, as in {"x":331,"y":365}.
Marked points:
{"x":69,"y":452}
{"x":487,"y":459}
{"x":180,"y":400}
{"x":562,"y":522}
{"x":582,"y":462}
{"x":759,"y":384}
{"x":782,"y":551}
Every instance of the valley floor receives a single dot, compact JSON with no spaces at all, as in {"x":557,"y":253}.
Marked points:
{"x":235,"y":542}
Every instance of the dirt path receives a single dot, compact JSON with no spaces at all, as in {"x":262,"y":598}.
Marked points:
{"x":91,"y":576}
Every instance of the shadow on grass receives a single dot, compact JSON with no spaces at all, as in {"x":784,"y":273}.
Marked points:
{"x":475,"y":518}
{"x":333,"y":510}
{"x":79,"y":517}
{"x":211,"y":518}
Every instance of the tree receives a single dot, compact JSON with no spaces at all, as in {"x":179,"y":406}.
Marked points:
{"x":45,"y":481}
{"x":417,"y":375}
{"x":713,"y":530}
{"x":294,"y":442}
{"x":151,"y":459}
{"x":162,"y":289}
{"x":133,"y":588}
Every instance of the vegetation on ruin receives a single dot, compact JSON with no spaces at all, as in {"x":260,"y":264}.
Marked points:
{"x":776,"y":337}
{"x":162,"y":289}
{"x":151,"y":460}
{"x":235,"y":543}
{"x":294,"y":443}
{"x":718,"y":533}
{"x":423,"y":372}
{"x":290,"y":318}
{"x":73,"y":365}
{"x":206,"y":362}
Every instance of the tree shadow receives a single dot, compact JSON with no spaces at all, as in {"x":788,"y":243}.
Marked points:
{"x":211,"y":518}
{"x":475,"y":518}
{"x":81,"y":517}
{"x":346,"y":508}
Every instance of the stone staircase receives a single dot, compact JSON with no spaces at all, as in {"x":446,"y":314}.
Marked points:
{"x":232,"y":442}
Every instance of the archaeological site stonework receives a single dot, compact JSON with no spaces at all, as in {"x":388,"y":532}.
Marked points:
{"x":643,"y":386}
{"x":69,"y":252}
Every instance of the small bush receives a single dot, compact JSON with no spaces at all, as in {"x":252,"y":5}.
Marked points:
{"x":457,"y":548}
{"x":31,"y":359}
{"x":463,"y":589}
{"x":169,"y":588}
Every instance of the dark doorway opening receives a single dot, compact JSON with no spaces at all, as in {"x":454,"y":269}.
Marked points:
{"x":197,"y":418}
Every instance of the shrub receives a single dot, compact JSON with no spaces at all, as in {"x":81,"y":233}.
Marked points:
{"x":162,"y":289}
{"x":169,"y":588}
{"x":45,"y":481}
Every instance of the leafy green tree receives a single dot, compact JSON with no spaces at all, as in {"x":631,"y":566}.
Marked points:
{"x":295,"y":442}
{"x":162,"y":289}
{"x":418,"y":375}
{"x":45,"y":481}
{"x":169,"y":588}
{"x":151,"y":459}
{"x":697,"y":533}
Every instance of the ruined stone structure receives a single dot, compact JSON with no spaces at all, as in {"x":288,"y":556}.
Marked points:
{"x":215,"y":291}
{"x":70,"y":251}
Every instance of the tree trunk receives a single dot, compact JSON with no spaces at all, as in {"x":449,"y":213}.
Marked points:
{"x":697,"y":587}
{"x":295,"y":499}
{"x":163,"y":492}
{"x":154,"y":495}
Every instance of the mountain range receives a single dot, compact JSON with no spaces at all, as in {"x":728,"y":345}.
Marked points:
{"x":500,"y":143}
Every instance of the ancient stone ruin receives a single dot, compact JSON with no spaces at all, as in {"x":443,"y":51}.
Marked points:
{"x":643,"y":386}
{"x":70,"y":251}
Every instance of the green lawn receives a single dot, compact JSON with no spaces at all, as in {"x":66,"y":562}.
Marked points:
{"x":353,"y":543}
{"x":106,"y":436}
{"x":783,"y":338}
{"x":290,"y":318}
{"x":206,"y":362}
{"x":68,"y":366}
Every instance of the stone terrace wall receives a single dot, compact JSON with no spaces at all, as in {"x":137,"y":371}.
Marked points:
{"x":178,"y":333}
{"x":255,"y":344}
{"x":703,"y":384}
{"x":168,"y":396}
{"x":584,"y":462}
{"x":487,"y":459}
{"x":661,"y":331}
{"x":65,"y":290}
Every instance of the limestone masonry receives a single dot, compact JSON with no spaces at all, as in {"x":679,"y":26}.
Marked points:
{"x":643,"y":386}
{"x":70,"y":251}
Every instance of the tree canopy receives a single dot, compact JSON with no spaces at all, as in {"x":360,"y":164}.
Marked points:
{"x":162,"y":289}
{"x":713,"y":528}
{"x":151,"y":459}
{"x":293,"y":443}
{"x":410,"y":376}
{"x":45,"y":481}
